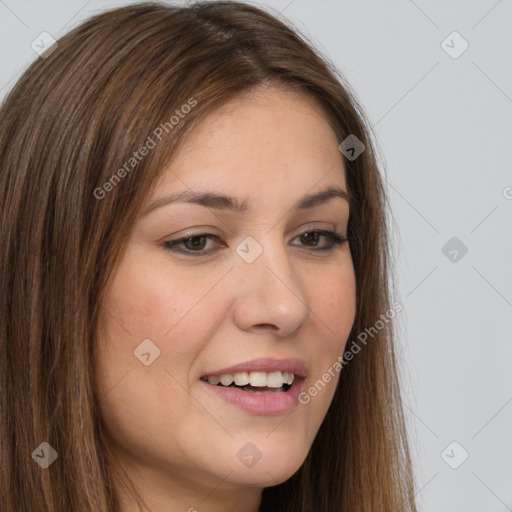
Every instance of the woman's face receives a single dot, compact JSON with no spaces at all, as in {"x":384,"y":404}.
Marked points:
{"x":262,"y":292}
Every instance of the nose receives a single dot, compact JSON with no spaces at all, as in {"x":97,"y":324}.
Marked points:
{"x":269,"y":292}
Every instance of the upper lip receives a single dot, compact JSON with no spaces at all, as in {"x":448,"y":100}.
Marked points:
{"x":264,"y":364}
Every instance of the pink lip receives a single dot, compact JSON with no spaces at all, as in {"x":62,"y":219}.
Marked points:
{"x":262,"y":404}
{"x":263,"y":365}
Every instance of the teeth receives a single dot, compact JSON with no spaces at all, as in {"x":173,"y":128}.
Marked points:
{"x":214,"y":380}
{"x":288,"y":377}
{"x":226,"y":379}
{"x":241,"y":379}
{"x":256,"y":379}
{"x":276,"y":379}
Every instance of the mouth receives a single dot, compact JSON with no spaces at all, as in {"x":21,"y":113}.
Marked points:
{"x":254,"y":382}
{"x":262,"y":386}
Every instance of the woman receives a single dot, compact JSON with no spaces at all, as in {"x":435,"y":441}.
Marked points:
{"x":194,"y":275}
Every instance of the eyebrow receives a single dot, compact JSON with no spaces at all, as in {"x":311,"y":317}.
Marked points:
{"x":224,"y":202}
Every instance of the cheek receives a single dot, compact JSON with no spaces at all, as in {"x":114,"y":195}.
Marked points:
{"x":334,"y":307}
{"x":149,"y":305}
{"x":333,"y":310}
{"x":153,"y":301}
{"x":172,"y":309}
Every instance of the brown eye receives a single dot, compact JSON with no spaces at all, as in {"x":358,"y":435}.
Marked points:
{"x":195,"y":245}
{"x":311,"y":239}
{"x":191,"y":244}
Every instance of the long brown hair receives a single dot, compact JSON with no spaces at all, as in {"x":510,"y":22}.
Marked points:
{"x":73,"y":120}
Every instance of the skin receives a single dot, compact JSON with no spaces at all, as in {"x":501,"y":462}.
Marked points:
{"x":177,"y":443}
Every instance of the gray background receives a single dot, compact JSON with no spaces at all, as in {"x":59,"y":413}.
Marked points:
{"x":444,"y":132}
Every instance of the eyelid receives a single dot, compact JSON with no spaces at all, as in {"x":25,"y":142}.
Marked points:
{"x":317,"y":225}
{"x":335,"y":238}
{"x":202,"y":230}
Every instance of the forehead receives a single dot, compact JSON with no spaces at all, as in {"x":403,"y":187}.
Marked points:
{"x":270,"y":116}
{"x":266,"y":137}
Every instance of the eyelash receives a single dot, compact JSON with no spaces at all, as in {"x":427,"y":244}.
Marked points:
{"x":336,"y":239}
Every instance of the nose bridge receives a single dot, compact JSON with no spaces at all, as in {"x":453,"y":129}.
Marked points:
{"x":271,"y":292}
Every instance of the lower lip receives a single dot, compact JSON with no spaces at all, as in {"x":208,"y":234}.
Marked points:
{"x":260,"y":403}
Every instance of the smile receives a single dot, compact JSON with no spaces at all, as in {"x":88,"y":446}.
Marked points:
{"x":255,"y":382}
{"x":262,"y":386}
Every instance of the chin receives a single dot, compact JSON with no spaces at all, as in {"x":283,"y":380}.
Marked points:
{"x":264,"y":463}
{"x":263,"y":476}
